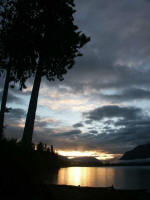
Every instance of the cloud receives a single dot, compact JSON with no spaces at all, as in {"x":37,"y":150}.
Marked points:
{"x":112,"y":111}
{"x":16,"y":113}
{"x":117,"y":129}
{"x":118,"y":50}
{"x":127,"y":95}
{"x":59,"y":138}
{"x":44,"y":122}
{"x":70,"y":133}
{"x":12,"y":98}
{"x":126,"y":134}
{"x":78,"y":125}
{"x":93,"y":131}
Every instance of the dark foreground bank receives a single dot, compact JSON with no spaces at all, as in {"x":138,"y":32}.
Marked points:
{"x":56,"y":192}
{"x":23,"y":173}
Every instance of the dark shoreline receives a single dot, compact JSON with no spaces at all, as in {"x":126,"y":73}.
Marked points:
{"x":24,"y":172}
{"x":90,"y":188}
{"x":67,"y":192}
{"x":94,"y":193}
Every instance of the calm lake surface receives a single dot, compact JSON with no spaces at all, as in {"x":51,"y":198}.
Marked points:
{"x":119,"y":177}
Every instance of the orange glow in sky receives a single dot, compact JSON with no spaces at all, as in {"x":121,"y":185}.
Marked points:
{"x":98,"y":155}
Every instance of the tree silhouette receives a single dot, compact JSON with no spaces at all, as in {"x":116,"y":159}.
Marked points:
{"x":5,"y":20}
{"x":46,"y":41}
{"x":15,"y":54}
{"x":55,"y":40}
{"x":40,"y":147}
{"x":4,"y":100}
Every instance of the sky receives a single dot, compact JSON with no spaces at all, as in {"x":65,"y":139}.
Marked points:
{"x":102,"y":106}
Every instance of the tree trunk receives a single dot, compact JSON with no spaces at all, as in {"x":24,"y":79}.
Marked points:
{"x":4,"y":100}
{"x":30,"y":118}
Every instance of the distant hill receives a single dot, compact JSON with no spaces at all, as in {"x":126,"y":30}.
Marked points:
{"x":85,"y":161}
{"x":140,"y":152}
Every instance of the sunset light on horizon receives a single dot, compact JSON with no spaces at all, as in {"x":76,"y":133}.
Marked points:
{"x":98,"y":155}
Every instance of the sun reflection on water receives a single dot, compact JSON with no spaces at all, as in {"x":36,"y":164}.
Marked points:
{"x":85,"y":176}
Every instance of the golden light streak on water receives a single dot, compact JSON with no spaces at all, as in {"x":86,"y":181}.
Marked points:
{"x":85,"y":176}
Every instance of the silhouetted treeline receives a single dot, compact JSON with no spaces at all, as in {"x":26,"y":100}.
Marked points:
{"x":23,"y":166}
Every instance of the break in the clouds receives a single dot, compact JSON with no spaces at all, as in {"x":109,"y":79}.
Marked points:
{"x":103,"y":103}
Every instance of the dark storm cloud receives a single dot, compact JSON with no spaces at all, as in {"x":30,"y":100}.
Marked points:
{"x":118,"y":54}
{"x":123,"y":139}
{"x":69,"y":133}
{"x":40,"y":123}
{"x":93,"y":131}
{"x":113,"y":111}
{"x":113,"y":140}
{"x":12,"y":98}
{"x":61,"y":139}
{"x":88,"y":121}
{"x":14,"y":123}
{"x":127,"y":95}
{"x":116,"y":142}
{"x":133,"y":123}
{"x":14,"y":94}
{"x":16,"y":113}
{"x":77,"y":125}
{"x":131,"y":128}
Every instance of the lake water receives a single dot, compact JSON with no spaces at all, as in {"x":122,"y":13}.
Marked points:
{"x":119,"y":177}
